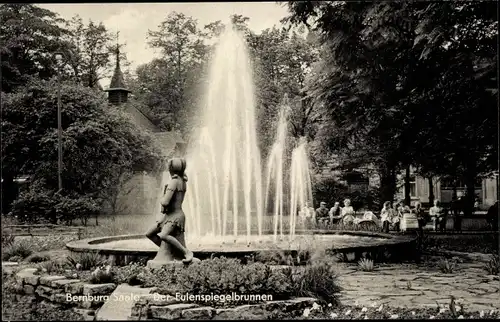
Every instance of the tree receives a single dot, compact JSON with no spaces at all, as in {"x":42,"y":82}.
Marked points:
{"x":182,"y":62}
{"x":92,"y":57}
{"x":100,"y":144}
{"x":29,"y":36}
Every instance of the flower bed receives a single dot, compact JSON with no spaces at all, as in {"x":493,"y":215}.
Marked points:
{"x":380,"y":311}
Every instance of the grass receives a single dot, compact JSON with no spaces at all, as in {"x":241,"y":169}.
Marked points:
{"x":493,"y":265}
{"x":447,"y":266}
{"x":480,"y":243}
{"x":366,"y":265}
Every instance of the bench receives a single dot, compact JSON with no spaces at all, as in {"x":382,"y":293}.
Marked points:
{"x":44,"y":230}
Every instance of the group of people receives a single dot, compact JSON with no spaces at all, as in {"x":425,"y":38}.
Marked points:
{"x":391,"y":215}
{"x":323,"y":215}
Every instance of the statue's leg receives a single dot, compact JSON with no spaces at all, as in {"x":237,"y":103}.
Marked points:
{"x":152,"y":234}
{"x":166,"y":235}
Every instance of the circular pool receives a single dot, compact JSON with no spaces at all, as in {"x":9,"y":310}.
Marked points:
{"x":238,"y":246}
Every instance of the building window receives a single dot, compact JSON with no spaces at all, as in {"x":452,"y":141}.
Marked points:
{"x":413,"y":187}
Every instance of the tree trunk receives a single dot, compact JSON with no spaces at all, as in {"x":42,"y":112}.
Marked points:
{"x":388,"y":184}
{"x":431,"y":191}
{"x":470,"y":183}
{"x":407,"y":186}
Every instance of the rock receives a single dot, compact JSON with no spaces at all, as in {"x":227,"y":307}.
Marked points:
{"x":198,"y":313}
{"x":29,"y":289}
{"x":27,"y":276}
{"x":62,"y":283}
{"x":123,"y":302}
{"x":47,"y":280}
{"x":140,"y":311}
{"x":44,"y":291}
{"x":169,"y":312}
{"x":98,"y":289}
{"x":249,"y":311}
{"x":59,"y":298}
{"x":74,"y":288}
{"x":158,"y":299}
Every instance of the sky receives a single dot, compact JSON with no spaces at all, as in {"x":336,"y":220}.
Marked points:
{"x":133,"y":20}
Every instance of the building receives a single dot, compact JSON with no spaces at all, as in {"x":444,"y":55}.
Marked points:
{"x":486,"y":189}
{"x":139,"y":195}
{"x":358,"y":179}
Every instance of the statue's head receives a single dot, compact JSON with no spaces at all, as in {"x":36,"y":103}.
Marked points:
{"x":177,"y":166}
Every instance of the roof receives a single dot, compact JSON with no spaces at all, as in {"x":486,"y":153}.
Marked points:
{"x":168,"y":142}
{"x":117,"y":81}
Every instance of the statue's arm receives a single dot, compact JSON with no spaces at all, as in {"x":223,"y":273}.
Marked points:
{"x":169,"y":193}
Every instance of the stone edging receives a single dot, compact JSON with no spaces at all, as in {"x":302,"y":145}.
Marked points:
{"x":62,"y":290}
{"x":157,"y":307}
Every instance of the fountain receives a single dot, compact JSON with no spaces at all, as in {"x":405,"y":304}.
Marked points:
{"x":226,"y":204}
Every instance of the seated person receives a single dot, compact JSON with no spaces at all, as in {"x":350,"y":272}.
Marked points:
{"x":438,"y":216}
{"x":421,"y":217}
{"x":347,"y":213}
{"x":322,"y":213}
{"x":334,"y":213}
{"x":386,"y":215}
{"x":306,"y":214}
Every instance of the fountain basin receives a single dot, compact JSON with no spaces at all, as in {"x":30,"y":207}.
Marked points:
{"x":126,"y":248}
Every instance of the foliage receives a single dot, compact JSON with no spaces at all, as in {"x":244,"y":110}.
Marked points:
{"x":385,"y":102}
{"x":90,"y":59}
{"x":101,"y":275}
{"x":90,"y":128}
{"x":366,"y":265}
{"x":331,"y":190}
{"x":50,"y":267}
{"x":223,"y":276}
{"x":85,"y":261}
{"x":38,"y":258}
{"x":128,"y":274}
{"x":29,"y":37}
{"x":317,"y":279}
{"x":19,"y":248}
{"x":447,"y":266}
{"x":493,"y":265}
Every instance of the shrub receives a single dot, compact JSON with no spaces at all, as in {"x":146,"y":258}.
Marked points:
{"x":102,"y":275}
{"x":7,"y":237}
{"x":36,"y":206}
{"x":37,"y":258}
{"x":493,"y":265}
{"x":366,"y":265}
{"x":50,"y":267}
{"x":20,"y":249}
{"x":317,"y":279}
{"x":83,"y":207}
{"x":128,"y":274}
{"x":85,"y":261}
{"x":446,"y":266}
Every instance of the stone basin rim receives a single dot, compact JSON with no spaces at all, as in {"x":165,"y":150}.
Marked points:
{"x":94,"y":244}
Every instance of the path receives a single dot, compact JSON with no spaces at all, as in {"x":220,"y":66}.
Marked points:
{"x":417,"y":286}
{"x":119,"y":305}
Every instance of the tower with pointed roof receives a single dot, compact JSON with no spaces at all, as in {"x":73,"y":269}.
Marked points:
{"x":117,"y":91}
